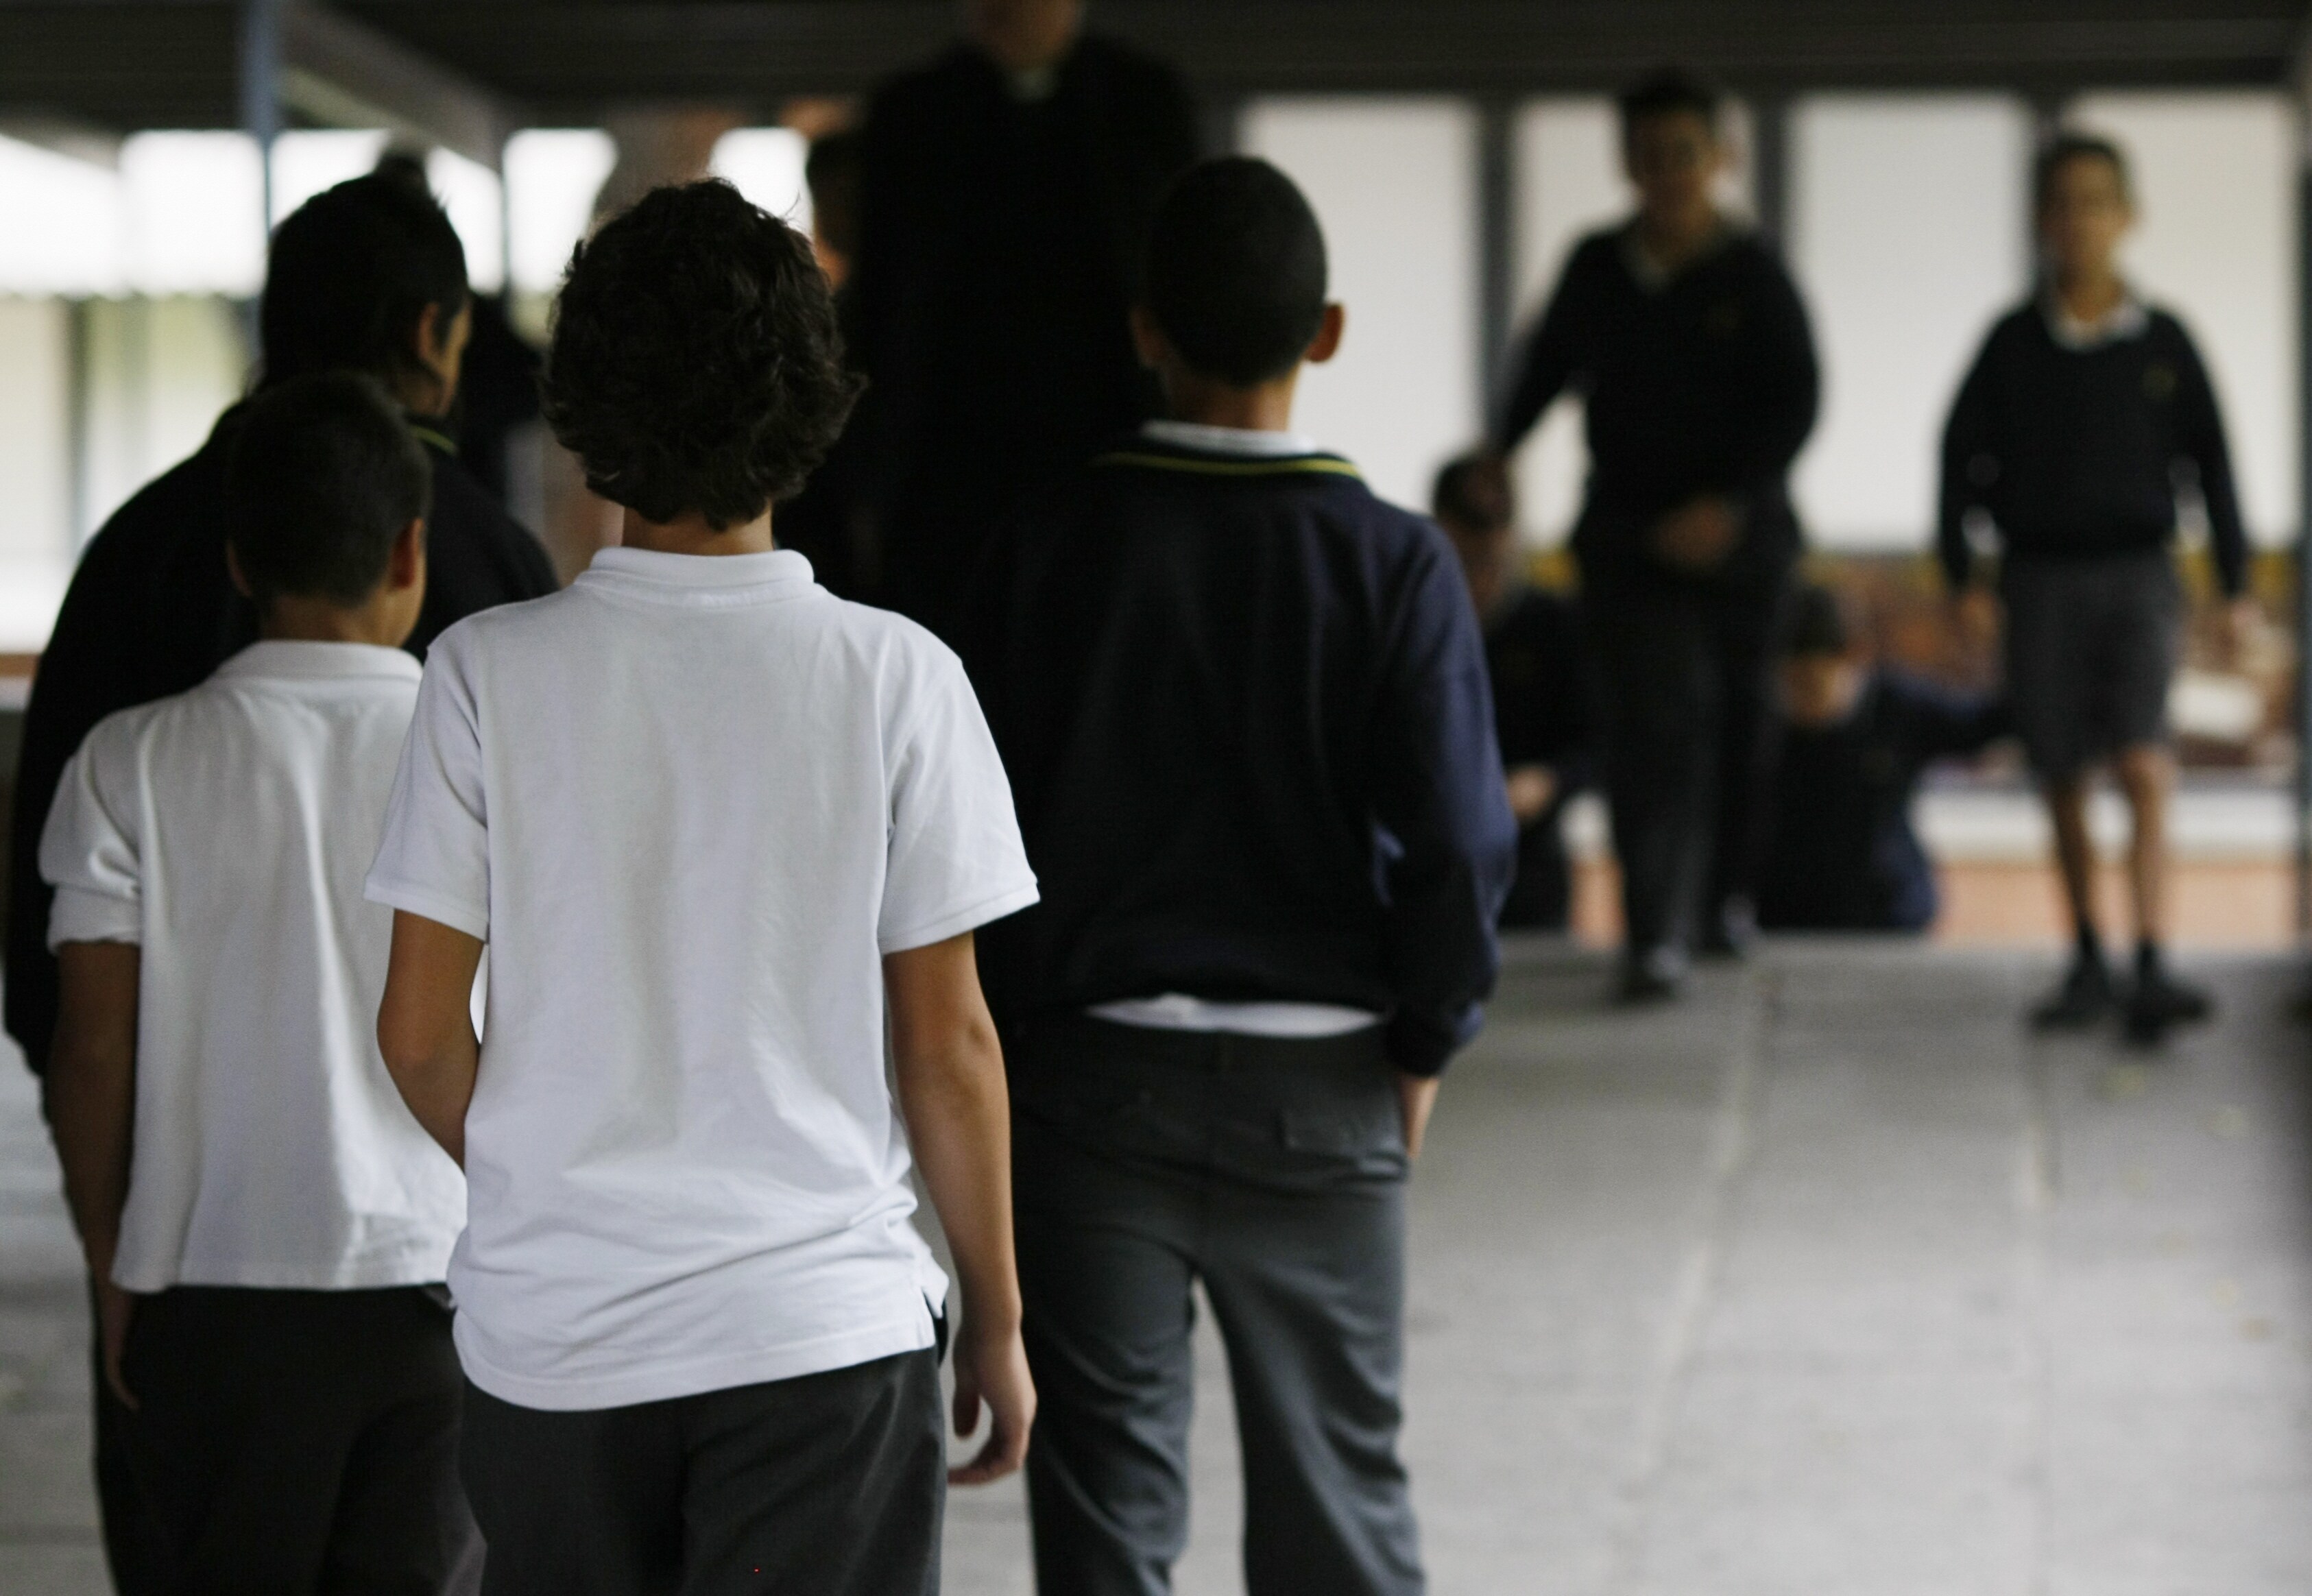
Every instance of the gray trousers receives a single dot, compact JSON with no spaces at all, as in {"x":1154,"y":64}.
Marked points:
{"x":1273,"y":1171}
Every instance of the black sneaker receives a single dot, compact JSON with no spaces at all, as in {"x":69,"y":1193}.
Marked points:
{"x":2085,"y":997}
{"x":1657,"y":975}
{"x":1731,"y":932}
{"x":2158,"y":1002}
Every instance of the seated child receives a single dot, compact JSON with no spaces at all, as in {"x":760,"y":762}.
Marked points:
{"x":1541,"y":707}
{"x":265,"y":1224}
{"x":1840,"y":853}
{"x":711,"y":821}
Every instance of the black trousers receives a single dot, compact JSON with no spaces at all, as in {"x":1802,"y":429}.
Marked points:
{"x":1273,"y":1172}
{"x":297,"y":1442}
{"x":1680,"y":675}
{"x":826,"y":1485}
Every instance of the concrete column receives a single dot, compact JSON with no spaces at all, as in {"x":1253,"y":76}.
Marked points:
{"x":1496,"y":177}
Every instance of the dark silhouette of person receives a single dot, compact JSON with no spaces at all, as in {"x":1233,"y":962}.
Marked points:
{"x":1006,"y":191}
{"x":1687,"y":341}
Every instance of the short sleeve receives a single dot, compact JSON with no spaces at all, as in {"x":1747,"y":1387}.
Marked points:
{"x":90,"y":850}
{"x":434,"y":858}
{"x":955,"y":861}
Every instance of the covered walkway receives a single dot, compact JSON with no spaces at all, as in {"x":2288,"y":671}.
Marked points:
{"x":1830,"y":1281}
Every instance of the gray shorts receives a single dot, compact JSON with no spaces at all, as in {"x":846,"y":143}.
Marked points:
{"x":2092,"y":646}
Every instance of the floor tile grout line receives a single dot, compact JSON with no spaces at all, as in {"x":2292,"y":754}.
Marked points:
{"x":1733,"y":1145}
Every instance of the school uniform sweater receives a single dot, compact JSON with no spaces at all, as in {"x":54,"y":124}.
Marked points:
{"x":151,"y":610}
{"x":1840,"y":854}
{"x":1243,"y":706}
{"x":1702,"y":383}
{"x":2073,"y":451}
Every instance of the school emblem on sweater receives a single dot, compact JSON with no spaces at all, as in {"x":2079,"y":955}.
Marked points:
{"x":2159,"y":381}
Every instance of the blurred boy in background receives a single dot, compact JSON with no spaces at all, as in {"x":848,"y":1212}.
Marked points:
{"x":1840,"y":853}
{"x":1540,"y":706}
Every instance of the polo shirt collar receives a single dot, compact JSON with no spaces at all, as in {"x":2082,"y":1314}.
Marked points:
{"x":674,"y":578}
{"x":283,"y":660}
{"x":2126,"y":319}
{"x":1246,"y":442}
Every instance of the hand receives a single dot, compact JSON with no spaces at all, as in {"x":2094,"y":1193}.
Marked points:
{"x":2239,"y":625}
{"x":1975,"y":615}
{"x":1531,"y":787}
{"x":1416,"y":1097}
{"x":1697,"y":536}
{"x":114,"y":1308}
{"x":992,"y":1369}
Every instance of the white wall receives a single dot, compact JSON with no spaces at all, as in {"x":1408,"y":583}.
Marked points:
{"x":159,"y":373}
{"x":2216,"y":244}
{"x":1908,"y":234}
{"x":35,"y":480}
{"x":1394,"y":182}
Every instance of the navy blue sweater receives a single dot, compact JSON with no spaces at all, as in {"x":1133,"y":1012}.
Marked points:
{"x":1840,"y":854}
{"x":2073,"y":452}
{"x":1244,"y":709}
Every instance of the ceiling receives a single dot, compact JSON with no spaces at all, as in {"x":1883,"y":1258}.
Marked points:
{"x":123,"y":64}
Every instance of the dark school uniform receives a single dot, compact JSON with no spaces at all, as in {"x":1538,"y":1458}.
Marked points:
{"x":1541,"y":714}
{"x":1002,"y":233}
{"x":2071,"y":441}
{"x":1840,"y":852}
{"x":1244,"y":709}
{"x":151,"y":612}
{"x":1704,"y":381}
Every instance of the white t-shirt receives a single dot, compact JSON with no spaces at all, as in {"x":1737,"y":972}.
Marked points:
{"x":225,"y":832}
{"x":689,"y":803}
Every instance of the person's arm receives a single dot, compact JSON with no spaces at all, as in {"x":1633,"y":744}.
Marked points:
{"x":1442,"y":796}
{"x":1551,"y":357}
{"x":2199,"y":433}
{"x":1785,"y":395}
{"x":1969,"y":458}
{"x":425,"y":1025}
{"x":950,"y":1068}
{"x":1946,"y":724}
{"x":90,"y":1099}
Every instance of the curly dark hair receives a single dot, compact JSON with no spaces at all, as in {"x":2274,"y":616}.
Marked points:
{"x":697,"y":364}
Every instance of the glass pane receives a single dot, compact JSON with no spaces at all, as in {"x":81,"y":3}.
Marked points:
{"x":1394,"y":182}
{"x":1907,"y":236}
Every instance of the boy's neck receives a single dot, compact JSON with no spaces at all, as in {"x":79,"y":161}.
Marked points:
{"x":1264,"y":407}
{"x":298,"y":618}
{"x":2089,"y":294}
{"x":689,"y":533}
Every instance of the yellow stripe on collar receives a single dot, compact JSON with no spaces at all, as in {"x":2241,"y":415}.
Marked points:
{"x":1319,"y":465}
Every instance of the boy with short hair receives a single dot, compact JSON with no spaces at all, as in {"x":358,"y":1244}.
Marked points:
{"x":1840,"y":853}
{"x":1244,"y":703}
{"x":1532,"y":657}
{"x":1684,"y":335}
{"x":710,"y":821}
{"x":2067,"y":434}
{"x":266,"y":1225}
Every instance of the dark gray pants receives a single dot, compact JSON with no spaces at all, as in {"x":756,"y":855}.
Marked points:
{"x":1680,"y":673}
{"x":292,"y":1442}
{"x":825,"y":1485}
{"x":1273,"y":1172}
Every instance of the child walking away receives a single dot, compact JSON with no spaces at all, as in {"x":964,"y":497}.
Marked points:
{"x":265,"y":1224}
{"x":1245,"y":703}
{"x":1840,"y":853}
{"x":710,"y":821}
{"x":2068,"y":433}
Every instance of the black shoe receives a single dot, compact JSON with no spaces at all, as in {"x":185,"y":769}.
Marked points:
{"x":1657,"y":975}
{"x":2158,"y":1002}
{"x":2085,"y":997}
{"x":1732,"y":931}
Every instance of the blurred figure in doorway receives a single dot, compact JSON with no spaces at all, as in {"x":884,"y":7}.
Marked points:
{"x":1005,"y":193}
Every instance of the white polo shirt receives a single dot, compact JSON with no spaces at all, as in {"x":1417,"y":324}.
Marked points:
{"x":225,"y":832}
{"x":689,"y":803}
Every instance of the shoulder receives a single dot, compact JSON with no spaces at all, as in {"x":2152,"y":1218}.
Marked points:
{"x":1129,"y":69}
{"x":465,"y":512}
{"x":917,"y":90}
{"x":122,"y":741}
{"x":1596,"y":253}
{"x":2165,"y":330}
{"x":182,"y":503}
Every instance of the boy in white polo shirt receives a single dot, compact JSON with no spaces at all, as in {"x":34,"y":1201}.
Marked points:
{"x":265,"y":1224}
{"x":709,"y":820}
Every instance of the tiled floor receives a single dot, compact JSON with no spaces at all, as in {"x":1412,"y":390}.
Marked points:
{"x":1830,"y":1280}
